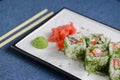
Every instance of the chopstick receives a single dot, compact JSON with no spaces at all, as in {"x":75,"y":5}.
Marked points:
{"x":26,"y":29}
{"x":23,"y":24}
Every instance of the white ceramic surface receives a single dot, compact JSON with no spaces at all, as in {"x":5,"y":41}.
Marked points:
{"x":57,"y":58}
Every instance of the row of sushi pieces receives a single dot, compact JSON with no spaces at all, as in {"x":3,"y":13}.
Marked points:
{"x":100,"y":55}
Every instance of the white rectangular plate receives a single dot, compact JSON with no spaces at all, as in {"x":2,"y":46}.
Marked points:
{"x":56,"y":58}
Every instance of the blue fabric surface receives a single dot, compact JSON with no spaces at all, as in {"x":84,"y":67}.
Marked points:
{"x":13,"y":12}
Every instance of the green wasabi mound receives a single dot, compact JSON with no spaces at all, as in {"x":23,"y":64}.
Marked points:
{"x":40,"y":42}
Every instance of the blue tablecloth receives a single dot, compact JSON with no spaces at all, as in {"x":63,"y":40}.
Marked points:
{"x":13,"y":12}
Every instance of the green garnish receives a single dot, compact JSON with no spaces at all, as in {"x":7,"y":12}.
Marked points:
{"x":40,"y":42}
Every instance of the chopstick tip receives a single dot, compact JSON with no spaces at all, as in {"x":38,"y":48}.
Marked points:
{"x":51,"y":13}
{"x":46,"y":10}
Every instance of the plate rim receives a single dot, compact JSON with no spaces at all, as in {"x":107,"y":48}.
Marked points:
{"x":47,"y":63}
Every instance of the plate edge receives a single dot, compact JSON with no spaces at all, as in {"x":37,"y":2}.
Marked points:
{"x":45,"y":63}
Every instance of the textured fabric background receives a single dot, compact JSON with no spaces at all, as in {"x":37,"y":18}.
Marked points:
{"x":13,"y":12}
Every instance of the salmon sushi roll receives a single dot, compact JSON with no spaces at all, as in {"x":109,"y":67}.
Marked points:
{"x":96,"y":60}
{"x":114,"y":49}
{"x":97,"y":39}
{"x":74,"y":46}
{"x":114,"y":69}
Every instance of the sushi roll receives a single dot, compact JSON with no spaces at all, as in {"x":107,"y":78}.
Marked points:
{"x":114,"y":49}
{"x":74,"y":46}
{"x":114,"y":69}
{"x":97,"y":39}
{"x":96,"y":60}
